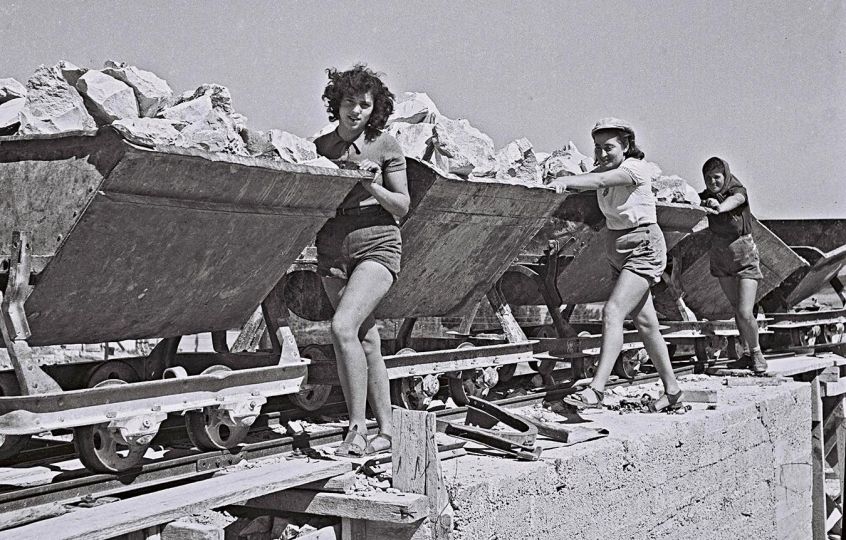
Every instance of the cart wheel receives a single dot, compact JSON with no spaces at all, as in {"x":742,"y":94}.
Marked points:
{"x":210,"y":429}
{"x":471,"y":382}
{"x":584,"y":368}
{"x":834,"y":333}
{"x":100,"y":450}
{"x":111,"y":370}
{"x":312,"y":397}
{"x":414,"y":393}
{"x":11,"y":445}
{"x":628,"y":363}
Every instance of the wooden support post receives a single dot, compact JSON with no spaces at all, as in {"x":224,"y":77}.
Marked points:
{"x":249,"y":338}
{"x":276,"y":318}
{"x":416,"y":468}
{"x":513,"y":332}
{"x":818,"y":510}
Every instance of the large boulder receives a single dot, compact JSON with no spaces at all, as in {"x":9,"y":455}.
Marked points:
{"x":413,"y":108}
{"x":52,"y":106}
{"x":566,"y":161}
{"x":461,"y":149}
{"x":150,"y":132}
{"x":219,"y":96}
{"x":415,"y":139}
{"x":674,"y":189}
{"x":71,"y":72}
{"x":190,"y":111}
{"x":216,"y":133}
{"x":107,"y":98}
{"x":257,"y":142}
{"x":11,"y":89}
{"x":10,"y":115}
{"x":151,"y":92}
{"x":291,"y":148}
{"x":516,"y":162}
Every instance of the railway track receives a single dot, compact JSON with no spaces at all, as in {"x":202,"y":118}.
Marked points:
{"x":179,"y":463}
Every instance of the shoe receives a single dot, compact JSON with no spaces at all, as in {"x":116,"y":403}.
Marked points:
{"x":744,"y":362}
{"x":673,"y":403}
{"x":759,"y":363}
{"x":372,"y":449}
{"x":581,"y":400}
{"x":354,"y":444}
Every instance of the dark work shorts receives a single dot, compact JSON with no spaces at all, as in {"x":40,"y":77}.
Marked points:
{"x":735,"y":257}
{"x":641,"y":250}
{"x":347,"y":240}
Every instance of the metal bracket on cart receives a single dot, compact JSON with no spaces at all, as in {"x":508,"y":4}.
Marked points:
{"x":137,"y":430}
{"x":14,"y":325}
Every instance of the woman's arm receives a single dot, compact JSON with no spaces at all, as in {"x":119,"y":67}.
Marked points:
{"x":731,"y":203}
{"x":393,"y":195}
{"x":593,"y":180}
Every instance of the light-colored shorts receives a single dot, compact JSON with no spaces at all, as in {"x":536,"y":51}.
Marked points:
{"x":641,"y":250}
{"x":735,"y":257}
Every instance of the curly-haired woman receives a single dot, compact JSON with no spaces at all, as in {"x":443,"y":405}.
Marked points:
{"x":636,"y":251}
{"x":359,"y":250}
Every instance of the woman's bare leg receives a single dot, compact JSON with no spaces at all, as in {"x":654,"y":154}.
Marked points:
{"x":354,"y":301}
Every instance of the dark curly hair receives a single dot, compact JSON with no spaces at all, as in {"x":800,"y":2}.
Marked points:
{"x":627,"y":138}
{"x":358,"y":80}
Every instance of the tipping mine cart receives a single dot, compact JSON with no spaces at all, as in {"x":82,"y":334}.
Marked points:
{"x":704,"y":297}
{"x":565,"y":265}
{"x":458,"y":238}
{"x":822,"y":243}
{"x":104,"y":240}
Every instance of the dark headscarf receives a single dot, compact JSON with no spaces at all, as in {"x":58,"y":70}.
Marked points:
{"x":735,"y":222}
{"x":718,"y":164}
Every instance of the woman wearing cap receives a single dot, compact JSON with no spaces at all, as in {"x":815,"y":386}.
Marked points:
{"x":637,"y":253}
{"x":359,"y":250}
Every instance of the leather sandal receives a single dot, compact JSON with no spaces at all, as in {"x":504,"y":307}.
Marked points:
{"x":371,"y":450}
{"x":579,"y":401}
{"x":354,"y":445}
{"x":674,"y":403}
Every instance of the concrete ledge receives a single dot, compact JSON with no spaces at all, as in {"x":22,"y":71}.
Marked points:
{"x":742,"y":470}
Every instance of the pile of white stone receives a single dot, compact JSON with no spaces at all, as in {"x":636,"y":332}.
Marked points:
{"x":65,"y":99}
{"x":457,"y":148}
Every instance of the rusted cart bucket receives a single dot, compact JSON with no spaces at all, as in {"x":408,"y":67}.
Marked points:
{"x":576,"y":234}
{"x":702,"y":292}
{"x":822,"y":243}
{"x":459,"y":237}
{"x":103,"y":240}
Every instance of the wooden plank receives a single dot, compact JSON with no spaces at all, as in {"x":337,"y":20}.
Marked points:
{"x":133,"y":514}
{"x":795,"y":365}
{"x":830,"y":374}
{"x":818,"y":511}
{"x":188,"y":530}
{"x":336,"y":484}
{"x":373,"y":505}
{"x":834,"y":388}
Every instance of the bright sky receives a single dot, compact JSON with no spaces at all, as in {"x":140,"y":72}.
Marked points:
{"x":759,"y":83}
